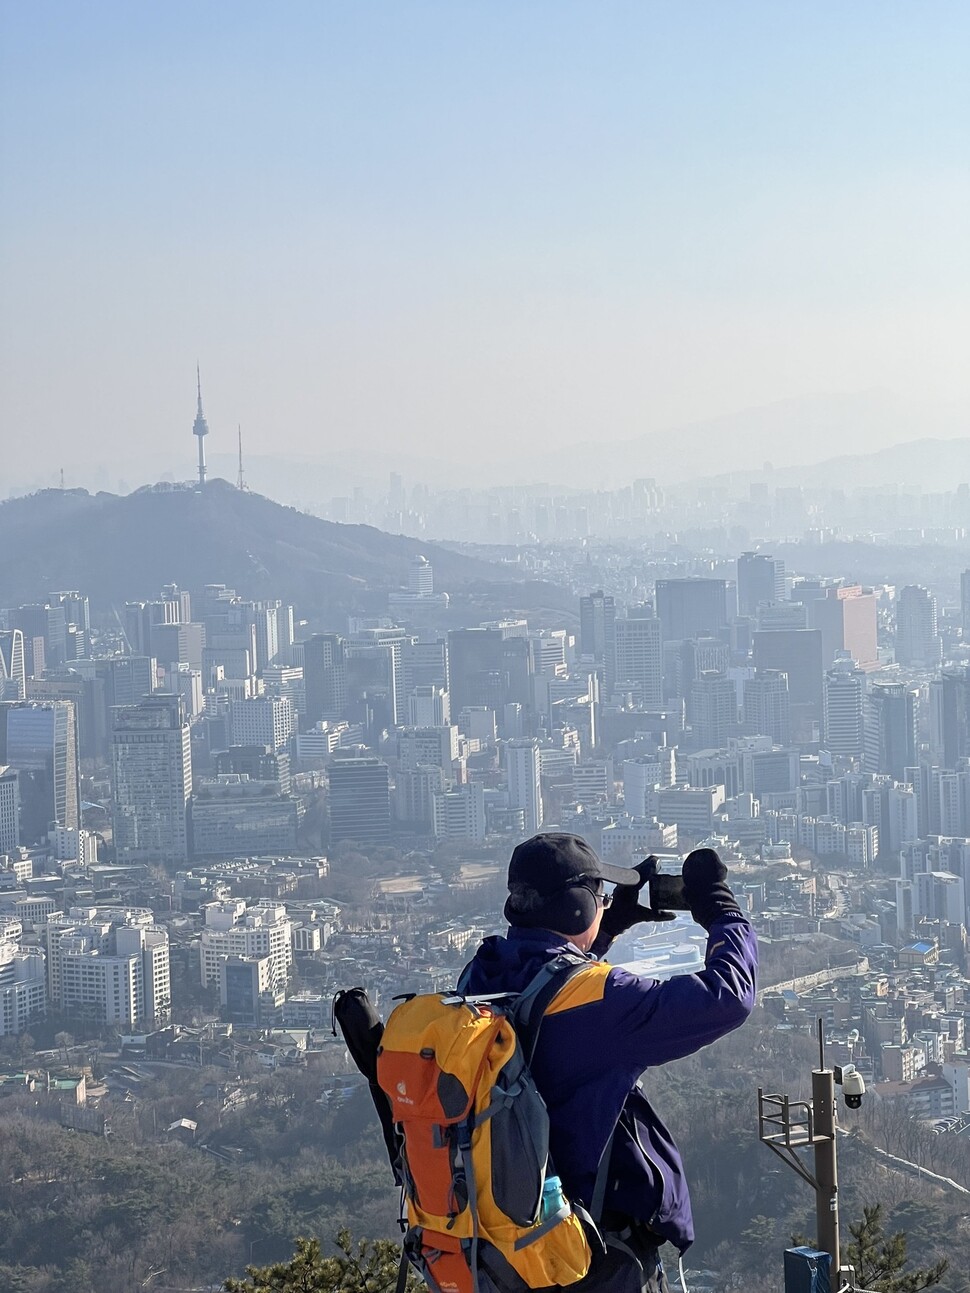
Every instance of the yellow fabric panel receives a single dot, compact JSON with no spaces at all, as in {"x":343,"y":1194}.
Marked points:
{"x":587,"y":986}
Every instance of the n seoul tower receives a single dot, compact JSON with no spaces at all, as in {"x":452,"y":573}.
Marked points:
{"x":200,"y":428}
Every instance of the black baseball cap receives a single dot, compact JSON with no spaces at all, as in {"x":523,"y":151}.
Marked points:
{"x":552,"y":862}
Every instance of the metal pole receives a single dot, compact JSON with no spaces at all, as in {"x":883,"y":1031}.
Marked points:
{"x":826,"y":1167}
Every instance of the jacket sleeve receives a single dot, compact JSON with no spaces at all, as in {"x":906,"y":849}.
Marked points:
{"x":657,"y":1022}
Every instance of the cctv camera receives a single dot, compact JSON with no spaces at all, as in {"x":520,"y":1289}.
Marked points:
{"x":853,"y":1085}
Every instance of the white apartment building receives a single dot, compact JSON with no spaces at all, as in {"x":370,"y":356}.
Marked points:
{"x":262,"y":720}
{"x":459,"y":814}
{"x":23,"y":989}
{"x":233,"y":929}
{"x":109,"y":962}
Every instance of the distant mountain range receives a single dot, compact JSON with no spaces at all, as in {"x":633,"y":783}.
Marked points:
{"x":119,"y":548}
{"x":793,"y":436}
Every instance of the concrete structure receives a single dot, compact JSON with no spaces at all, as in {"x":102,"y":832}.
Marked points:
{"x":360,"y":800}
{"x":39,"y":739}
{"x":459,"y":814}
{"x":639,"y":656}
{"x":152,"y":767}
{"x":233,"y":929}
{"x":522,"y":770}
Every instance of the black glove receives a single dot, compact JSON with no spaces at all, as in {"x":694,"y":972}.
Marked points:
{"x":705,"y":888}
{"x":625,"y":911}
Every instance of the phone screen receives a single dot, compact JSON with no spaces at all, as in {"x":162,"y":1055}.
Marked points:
{"x":667,"y":892}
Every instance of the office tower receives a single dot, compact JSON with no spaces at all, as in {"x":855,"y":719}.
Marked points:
{"x":691,"y":608}
{"x":424,"y":663}
{"x":86,"y":694}
{"x":760,"y":579}
{"x":428,"y":707}
{"x":965,"y":603}
{"x":798,"y":653}
{"x":233,"y":816}
{"x":287,"y":681}
{"x":414,"y":792}
{"x":767,"y":709}
{"x":9,"y":809}
{"x":13,"y":671}
{"x":48,"y":623}
{"x":261,"y":720}
{"x":419,"y":746}
{"x":375,"y":682}
{"x":639,"y":657}
{"x":257,"y":762}
{"x":182,"y":643}
{"x":714,"y":706}
{"x":597,"y":637}
{"x":476,"y":665}
{"x":891,"y":740}
{"x":39,"y":739}
{"x":267,"y":616}
{"x":843,"y":710}
{"x":779,"y":615}
{"x":360,"y":801}
{"x":846,"y":617}
{"x":233,"y":929}
{"x":152,"y":766}
{"x":950,"y":716}
{"x":324,"y":677}
{"x":127,"y":679}
{"x":641,"y":777}
{"x":525,"y":791}
{"x":459,"y":814}
{"x":917,"y":640}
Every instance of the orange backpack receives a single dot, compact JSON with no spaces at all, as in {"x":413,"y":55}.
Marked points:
{"x":484,"y":1209}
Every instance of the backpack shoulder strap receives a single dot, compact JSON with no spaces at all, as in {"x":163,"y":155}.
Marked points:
{"x":534,"y":1000}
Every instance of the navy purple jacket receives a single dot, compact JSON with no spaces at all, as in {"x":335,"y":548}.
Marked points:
{"x":603,"y":1029}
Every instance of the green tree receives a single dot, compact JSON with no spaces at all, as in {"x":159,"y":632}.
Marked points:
{"x":879,"y":1260}
{"x":369,"y":1266}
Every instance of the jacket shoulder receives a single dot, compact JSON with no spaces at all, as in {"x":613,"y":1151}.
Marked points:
{"x":584,"y":988}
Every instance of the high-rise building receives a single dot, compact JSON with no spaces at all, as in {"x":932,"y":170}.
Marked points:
{"x":420,"y":576}
{"x":9,"y":809}
{"x":110,"y":965}
{"x":360,"y":800}
{"x":846,"y":618}
{"x":691,"y":608}
{"x":714,"y":706}
{"x":324,"y":677}
{"x":428,"y":707}
{"x":39,"y":739}
{"x":522,"y":770}
{"x":152,"y":767}
{"x":760,"y":579}
{"x":798,"y":653}
{"x":639,"y":656}
{"x":950,"y":716}
{"x":596,"y":615}
{"x":918,"y":641}
{"x":891,"y":737}
{"x":13,"y":670}
{"x":843,"y":730}
{"x":476,"y":666}
{"x":23,"y":988}
{"x":262,"y":720}
{"x":459,"y":814}
{"x":767,"y":709}
{"x":233,"y":929}
{"x":965,"y":603}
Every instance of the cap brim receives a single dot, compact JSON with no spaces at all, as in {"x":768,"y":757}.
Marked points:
{"x":619,"y":874}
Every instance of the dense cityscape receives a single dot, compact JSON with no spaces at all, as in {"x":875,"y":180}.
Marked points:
{"x":213,"y":815}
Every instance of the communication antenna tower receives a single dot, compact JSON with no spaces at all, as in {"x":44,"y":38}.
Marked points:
{"x":240,"y":481}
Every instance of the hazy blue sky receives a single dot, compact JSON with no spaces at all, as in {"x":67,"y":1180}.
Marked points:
{"x":415,"y":224}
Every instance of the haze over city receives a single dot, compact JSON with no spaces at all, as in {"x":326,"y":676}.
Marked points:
{"x":404,"y":229}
